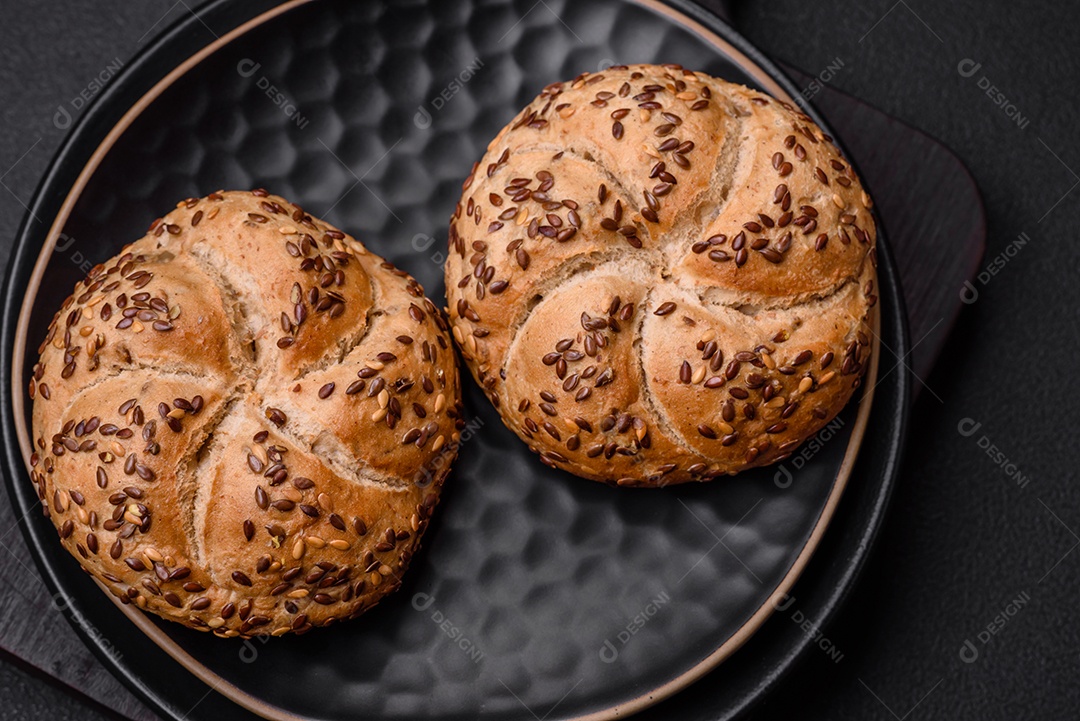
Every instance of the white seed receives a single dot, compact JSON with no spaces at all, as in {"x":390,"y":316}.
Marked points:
{"x":699,"y":375}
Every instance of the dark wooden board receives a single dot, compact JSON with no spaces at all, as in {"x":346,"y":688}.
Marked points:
{"x":934,"y":218}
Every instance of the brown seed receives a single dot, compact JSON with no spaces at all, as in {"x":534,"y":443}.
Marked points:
{"x":685,"y":372}
{"x":727,"y":412}
{"x":326,"y":390}
{"x":665,"y":309}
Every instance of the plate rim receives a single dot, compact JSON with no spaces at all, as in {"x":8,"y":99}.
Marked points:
{"x":681,"y":12}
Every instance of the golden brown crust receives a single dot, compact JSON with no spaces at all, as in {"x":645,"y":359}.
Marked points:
{"x":659,"y":277}
{"x":243,"y":422}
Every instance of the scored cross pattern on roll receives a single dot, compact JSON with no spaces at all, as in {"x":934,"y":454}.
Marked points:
{"x":244,"y":420}
{"x":660,"y":277}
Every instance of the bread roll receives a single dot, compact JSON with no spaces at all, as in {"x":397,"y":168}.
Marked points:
{"x":658,"y":277}
{"x":243,"y":421}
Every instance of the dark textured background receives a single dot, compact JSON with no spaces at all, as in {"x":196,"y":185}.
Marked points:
{"x":963,"y":539}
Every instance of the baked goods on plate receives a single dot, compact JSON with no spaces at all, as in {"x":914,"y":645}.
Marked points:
{"x":242,"y":422}
{"x":659,"y":277}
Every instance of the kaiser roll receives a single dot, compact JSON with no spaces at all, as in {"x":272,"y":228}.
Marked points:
{"x":243,"y":421}
{"x":658,"y":277}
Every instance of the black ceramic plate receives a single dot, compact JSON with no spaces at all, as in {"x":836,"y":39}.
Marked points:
{"x":539,"y":594}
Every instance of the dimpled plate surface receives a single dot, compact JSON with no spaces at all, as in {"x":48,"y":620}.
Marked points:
{"x":537,"y":594}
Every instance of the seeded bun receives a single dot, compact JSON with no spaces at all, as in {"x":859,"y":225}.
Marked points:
{"x":659,"y":277}
{"x":242,"y":422}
